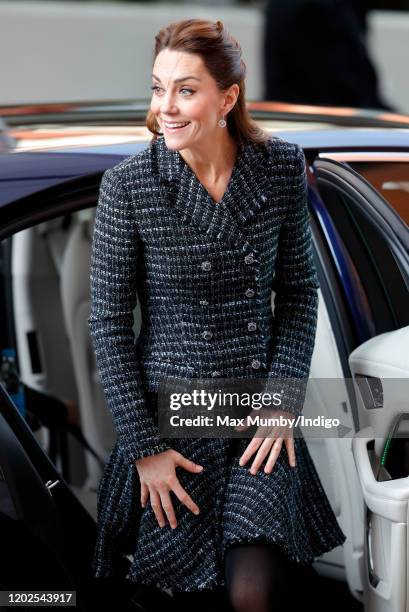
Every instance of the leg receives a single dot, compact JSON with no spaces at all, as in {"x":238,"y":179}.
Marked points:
{"x":200,"y":601}
{"x":255,"y":574}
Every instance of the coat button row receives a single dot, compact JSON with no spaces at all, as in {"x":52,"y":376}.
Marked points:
{"x":249,"y":259}
{"x":207,"y":334}
{"x":254,"y":364}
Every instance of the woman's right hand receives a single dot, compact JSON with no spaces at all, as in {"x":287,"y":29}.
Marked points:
{"x":157,"y":475}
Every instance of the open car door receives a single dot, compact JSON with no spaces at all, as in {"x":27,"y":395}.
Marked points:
{"x":380,"y":369}
{"x":372,"y":268}
{"x":47,"y":536}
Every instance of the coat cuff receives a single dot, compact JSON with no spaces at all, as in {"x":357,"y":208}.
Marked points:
{"x":132,"y":452}
{"x":292,"y":392}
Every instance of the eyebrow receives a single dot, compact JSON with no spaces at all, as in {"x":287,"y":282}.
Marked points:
{"x":185,"y":78}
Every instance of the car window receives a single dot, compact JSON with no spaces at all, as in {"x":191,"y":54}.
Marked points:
{"x":380,"y":278}
{"x":391,"y":179}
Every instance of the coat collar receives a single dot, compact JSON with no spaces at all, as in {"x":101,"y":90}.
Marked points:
{"x":248,"y":190}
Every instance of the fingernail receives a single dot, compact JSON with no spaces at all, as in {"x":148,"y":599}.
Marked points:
{"x":197,"y":511}
{"x":200,"y":467}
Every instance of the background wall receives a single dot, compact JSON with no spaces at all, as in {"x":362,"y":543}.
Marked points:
{"x":73,"y":51}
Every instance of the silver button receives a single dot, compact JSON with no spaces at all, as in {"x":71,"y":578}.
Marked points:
{"x":255,"y":364}
{"x":214,"y":374}
{"x":206,"y":265}
{"x":263,"y":197}
{"x":249,"y":258}
{"x":252,"y":326}
{"x":207,"y":334}
{"x":204,"y":302}
{"x":250,"y":293}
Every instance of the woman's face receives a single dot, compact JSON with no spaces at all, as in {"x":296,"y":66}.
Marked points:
{"x":183,"y":91}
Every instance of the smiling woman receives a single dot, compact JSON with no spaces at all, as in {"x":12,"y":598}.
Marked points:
{"x":188,"y":120}
{"x":204,"y":276}
{"x":195,"y":92}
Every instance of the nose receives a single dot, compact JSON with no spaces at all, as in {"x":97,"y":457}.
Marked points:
{"x":168,"y":103}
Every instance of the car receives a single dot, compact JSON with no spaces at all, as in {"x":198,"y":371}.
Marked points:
{"x":51,"y":465}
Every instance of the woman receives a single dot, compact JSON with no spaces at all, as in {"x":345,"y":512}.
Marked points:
{"x":201,"y":226}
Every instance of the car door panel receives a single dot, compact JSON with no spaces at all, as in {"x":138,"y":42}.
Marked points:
{"x":377,"y":243}
{"x":386,"y":359}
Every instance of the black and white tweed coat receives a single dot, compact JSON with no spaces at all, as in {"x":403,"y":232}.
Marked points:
{"x":203,"y":272}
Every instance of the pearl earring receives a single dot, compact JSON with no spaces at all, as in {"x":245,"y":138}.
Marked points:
{"x":222,"y":122}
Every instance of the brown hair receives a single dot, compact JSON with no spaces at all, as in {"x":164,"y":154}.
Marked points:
{"x":221,"y":55}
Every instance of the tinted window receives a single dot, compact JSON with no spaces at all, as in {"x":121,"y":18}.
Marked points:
{"x":391,"y":179}
{"x":384,"y":290}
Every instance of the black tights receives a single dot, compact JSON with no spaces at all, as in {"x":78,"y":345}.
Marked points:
{"x":255,"y":576}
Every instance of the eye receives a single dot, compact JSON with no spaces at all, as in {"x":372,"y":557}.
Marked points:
{"x":156,"y":89}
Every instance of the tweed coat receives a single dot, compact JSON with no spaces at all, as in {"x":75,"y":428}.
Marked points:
{"x":203,"y":272}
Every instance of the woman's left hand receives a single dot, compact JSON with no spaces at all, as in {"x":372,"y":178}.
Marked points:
{"x":269,"y":440}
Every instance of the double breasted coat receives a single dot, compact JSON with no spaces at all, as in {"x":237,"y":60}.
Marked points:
{"x":203,"y":272}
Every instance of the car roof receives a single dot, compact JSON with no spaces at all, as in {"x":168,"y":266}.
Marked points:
{"x":119,"y":128}
{"x":50,"y":144}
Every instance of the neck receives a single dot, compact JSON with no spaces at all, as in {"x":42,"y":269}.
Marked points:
{"x":211,"y":160}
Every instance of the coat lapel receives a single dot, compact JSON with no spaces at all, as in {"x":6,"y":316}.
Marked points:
{"x":248,"y":190}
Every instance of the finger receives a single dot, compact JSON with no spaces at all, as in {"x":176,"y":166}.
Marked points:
{"x":273,"y":455}
{"x":289,"y":443}
{"x":144,"y":494}
{"x":189,"y":465}
{"x":250,"y":450}
{"x":168,"y":507}
{"x":261,"y":455}
{"x":185,"y":498}
{"x":157,"y":507}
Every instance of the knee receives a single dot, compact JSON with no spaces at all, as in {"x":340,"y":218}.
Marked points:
{"x":245,"y":597}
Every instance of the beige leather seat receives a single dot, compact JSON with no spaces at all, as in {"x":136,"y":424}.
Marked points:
{"x":75,"y":294}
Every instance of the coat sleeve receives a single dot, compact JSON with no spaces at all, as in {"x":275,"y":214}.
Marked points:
{"x":115,"y":248}
{"x":296,"y":296}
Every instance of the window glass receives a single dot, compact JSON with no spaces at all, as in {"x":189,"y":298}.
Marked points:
{"x":381,"y":282}
{"x":391,"y":179}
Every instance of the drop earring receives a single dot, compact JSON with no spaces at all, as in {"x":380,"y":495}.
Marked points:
{"x":222,"y":122}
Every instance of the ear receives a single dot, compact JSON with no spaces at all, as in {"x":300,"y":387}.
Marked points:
{"x":230,"y":98}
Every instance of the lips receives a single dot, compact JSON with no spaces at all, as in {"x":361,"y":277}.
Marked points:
{"x":176,"y":128}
